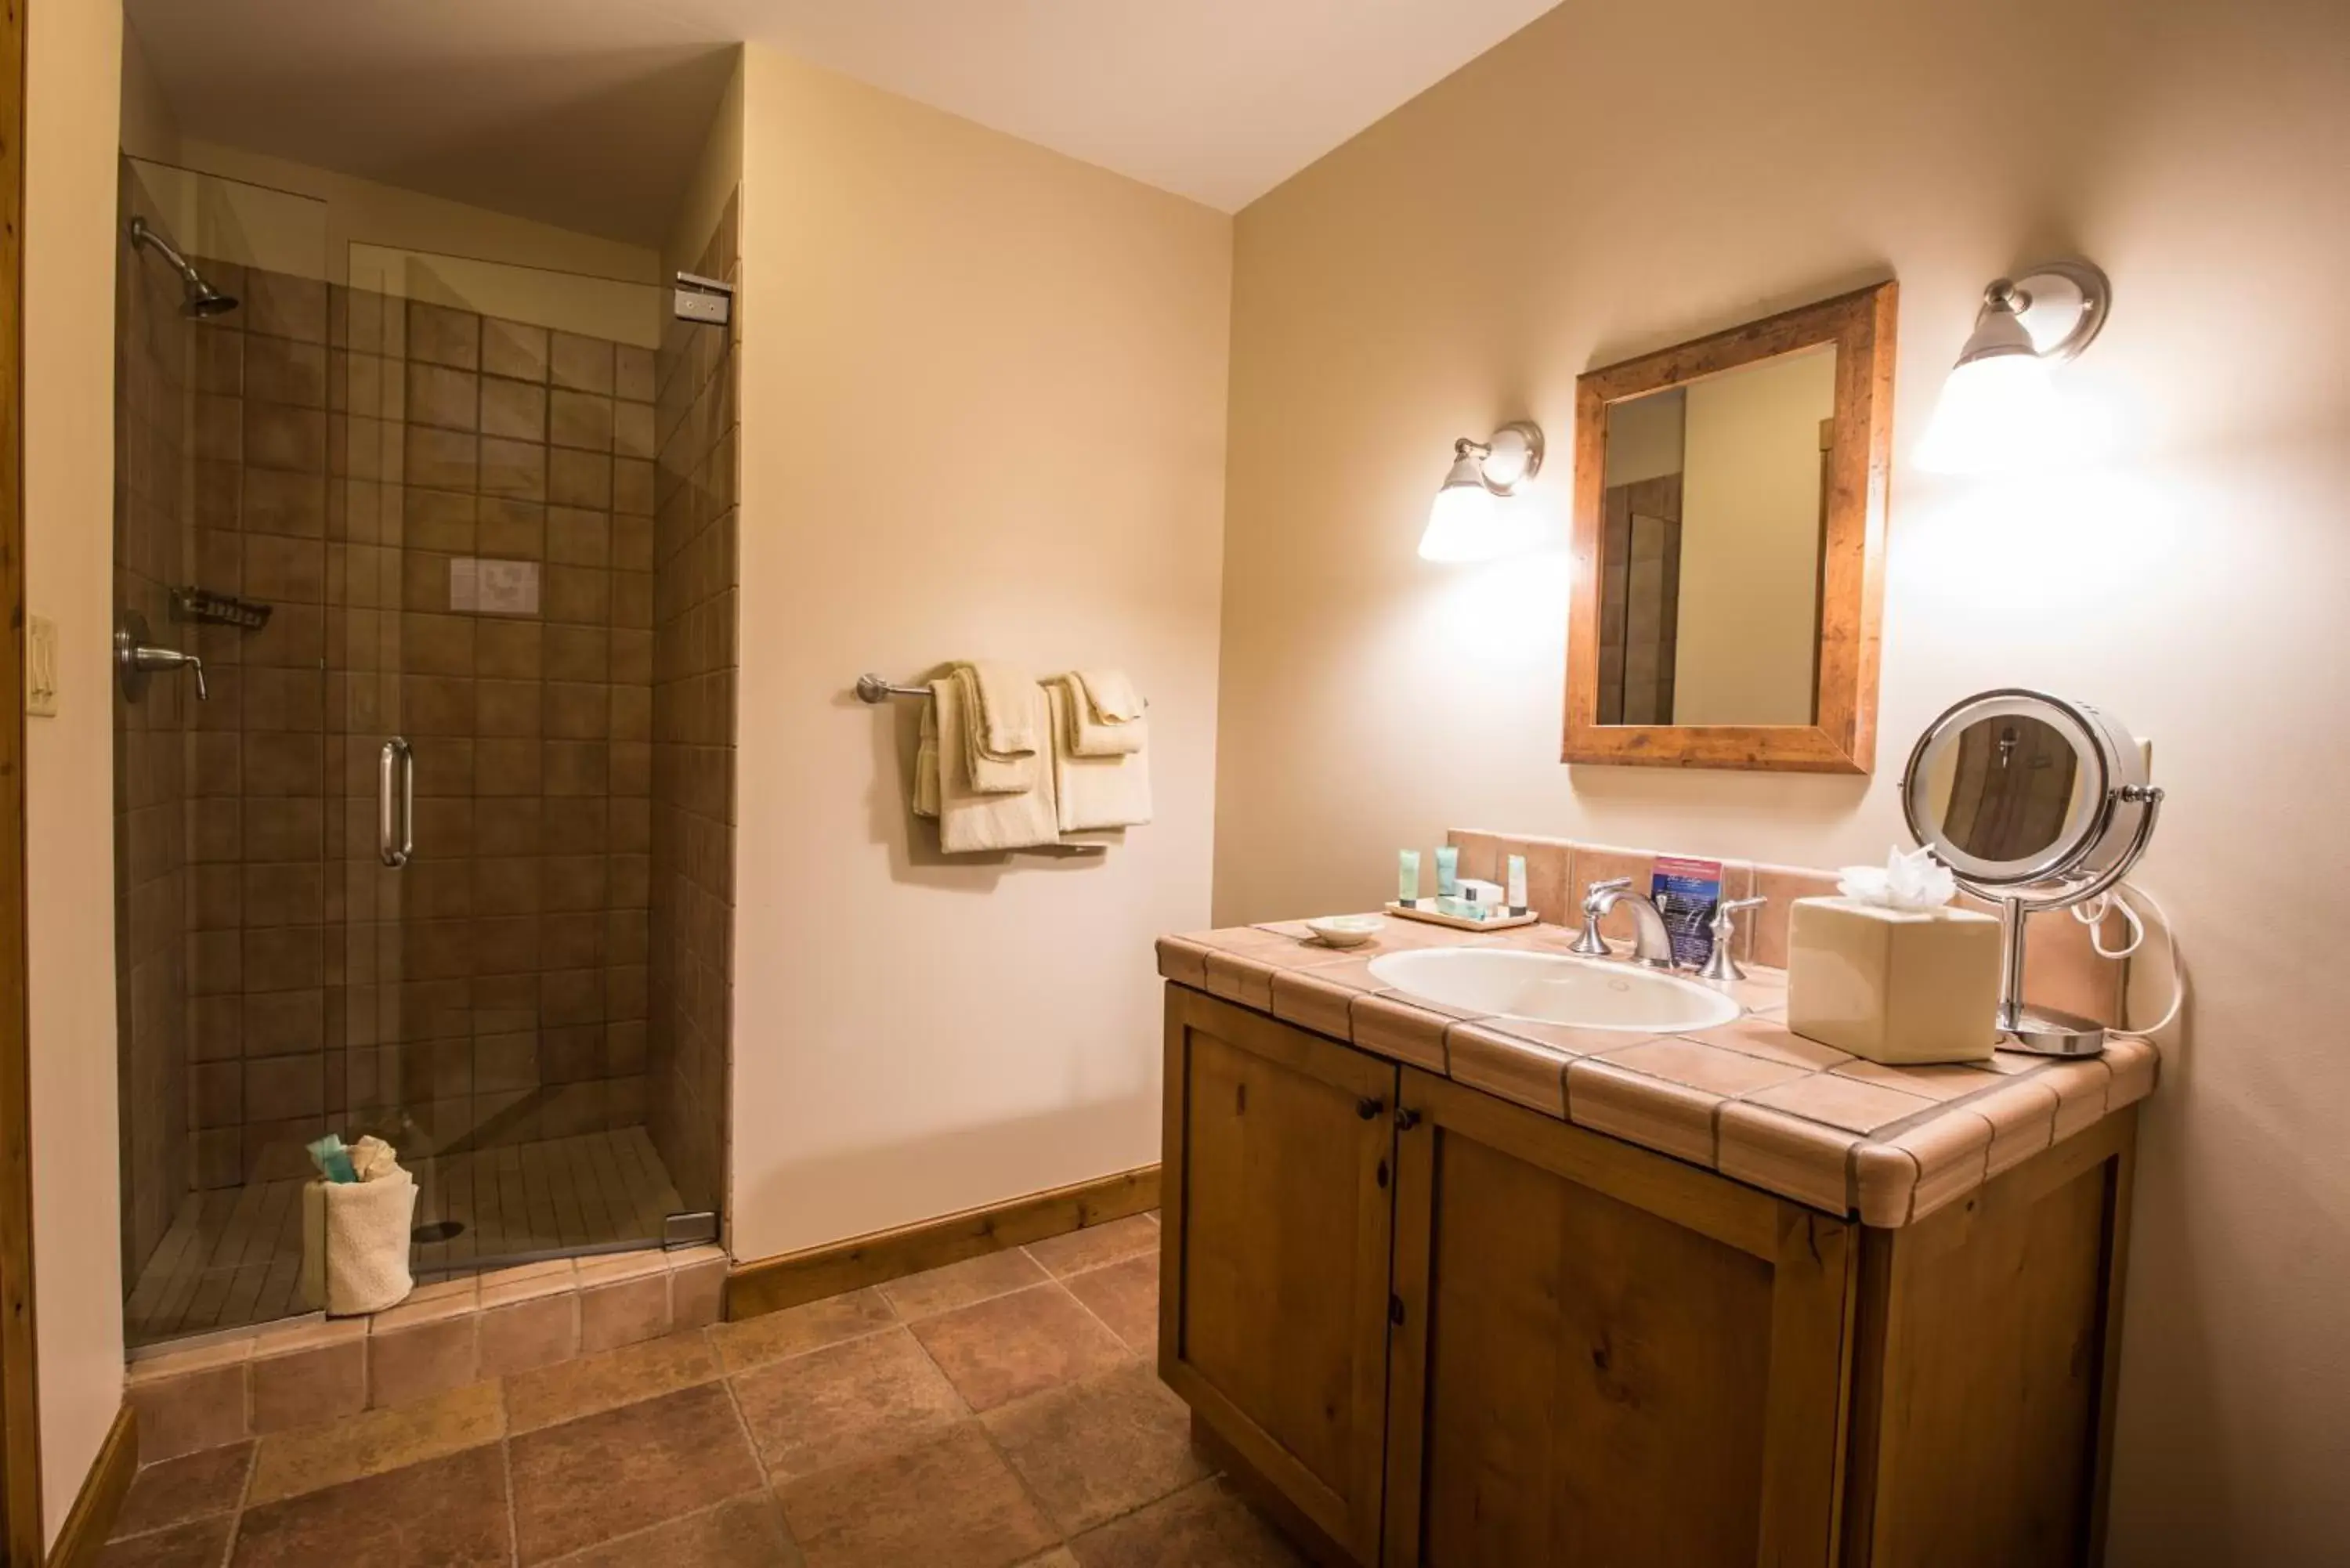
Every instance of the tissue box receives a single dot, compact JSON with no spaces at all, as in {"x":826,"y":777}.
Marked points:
{"x":1899,"y":986}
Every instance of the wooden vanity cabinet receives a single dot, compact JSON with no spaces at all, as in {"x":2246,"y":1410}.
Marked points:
{"x":1274,"y":1326}
{"x":1446,"y":1332}
{"x":1604,"y":1355}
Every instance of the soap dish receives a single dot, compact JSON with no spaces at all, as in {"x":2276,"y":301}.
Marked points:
{"x":1345,"y":931}
{"x":1504,"y":923}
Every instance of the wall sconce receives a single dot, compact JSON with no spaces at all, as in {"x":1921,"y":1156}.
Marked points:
{"x":1468,"y":520}
{"x":1998,"y":410}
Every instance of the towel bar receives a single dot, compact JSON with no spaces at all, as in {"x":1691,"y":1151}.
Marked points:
{"x":873,"y":689}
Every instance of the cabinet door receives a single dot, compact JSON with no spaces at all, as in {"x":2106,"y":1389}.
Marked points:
{"x":1277,"y":1202}
{"x":1607,"y":1359}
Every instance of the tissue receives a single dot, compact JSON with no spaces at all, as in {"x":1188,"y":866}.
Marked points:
{"x":1912,"y":881}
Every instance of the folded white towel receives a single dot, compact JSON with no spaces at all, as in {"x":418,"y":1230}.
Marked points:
{"x":355,"y":1242}
{"x":1001,"y":739}
{"x":1093,"y":792}
{"x":1104,"y":716}
{"x":974,"y":821}
{"x":926,"y":763}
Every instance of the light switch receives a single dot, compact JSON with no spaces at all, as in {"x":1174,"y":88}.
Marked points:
{"x":40,"y":667}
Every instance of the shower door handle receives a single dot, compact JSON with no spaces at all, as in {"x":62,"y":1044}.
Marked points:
{"x":395,"y":801}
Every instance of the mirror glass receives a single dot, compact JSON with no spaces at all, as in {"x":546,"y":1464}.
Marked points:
{"x":2009,"y":787}
{"x":1715,"y":497}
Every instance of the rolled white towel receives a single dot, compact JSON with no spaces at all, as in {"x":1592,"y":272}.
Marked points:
{"x":1104,"y":716}
{"x":355,"y":1243}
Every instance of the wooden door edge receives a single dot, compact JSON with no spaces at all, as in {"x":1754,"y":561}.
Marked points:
{"x":21,"y":1536}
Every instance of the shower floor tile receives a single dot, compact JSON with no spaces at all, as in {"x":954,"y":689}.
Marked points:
{"x":234,"y":1256}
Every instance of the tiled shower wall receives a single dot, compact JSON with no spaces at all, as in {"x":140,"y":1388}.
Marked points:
{"x":689,"y":1045}
{"x":152,"y":540}
{"x":497,"y":985}
{"x":347,"y":448}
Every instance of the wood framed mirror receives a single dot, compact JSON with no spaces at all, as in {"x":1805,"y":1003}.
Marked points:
{"x":1729,"y":545}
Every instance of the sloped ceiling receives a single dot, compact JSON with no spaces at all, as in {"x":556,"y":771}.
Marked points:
{"x":586,"y":113}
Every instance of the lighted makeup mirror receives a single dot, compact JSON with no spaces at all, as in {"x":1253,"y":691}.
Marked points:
{"x":2035,"y":804}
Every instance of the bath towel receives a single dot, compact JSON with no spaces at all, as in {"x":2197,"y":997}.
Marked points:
{"x":972,"y":822}
{"x":926,"y":763}
{"x":355,"y":1242}
{"x":1093,"y":792}
{"x":1001,"y":735}
{"x":1104,"y":716}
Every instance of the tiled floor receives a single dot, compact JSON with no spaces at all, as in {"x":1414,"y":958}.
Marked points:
{"x":234,"y":1256}
{"x":1002,"y":1411}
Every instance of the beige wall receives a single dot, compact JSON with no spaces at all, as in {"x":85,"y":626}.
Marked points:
{"x":717,"y":172}
{"x":1460,"y":262}
{"x":1750,"y":543}
{"x":982,"y":402}
{"x":71,"y":114}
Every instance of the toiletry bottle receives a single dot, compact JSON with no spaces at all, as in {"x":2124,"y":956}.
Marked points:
{"x":1447,"y":870}
{"x":1407,"y":877}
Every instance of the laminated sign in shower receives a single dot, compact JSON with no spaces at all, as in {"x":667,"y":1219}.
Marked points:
{"x":1686,"y":893}
{"x":492,"y":587}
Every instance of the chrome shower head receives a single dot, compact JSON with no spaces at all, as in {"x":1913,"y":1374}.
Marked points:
{"x":198,"y":297}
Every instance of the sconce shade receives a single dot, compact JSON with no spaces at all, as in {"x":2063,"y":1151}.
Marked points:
{"x":2000,"y":412}
{"x":1470,"y":519}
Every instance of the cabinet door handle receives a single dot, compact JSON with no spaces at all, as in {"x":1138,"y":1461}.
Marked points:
{"x":1406,"y":1119}
{"x":1381,"y":1174}
{"x":1369,"y":1107}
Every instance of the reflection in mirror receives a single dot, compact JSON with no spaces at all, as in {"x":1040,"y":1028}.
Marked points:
{"x":2011,"y":789}
{"x":1715,"y":508}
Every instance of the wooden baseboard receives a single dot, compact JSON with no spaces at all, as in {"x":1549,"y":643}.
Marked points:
{"x":770,"y":1284}
{"x":100,"y":1500}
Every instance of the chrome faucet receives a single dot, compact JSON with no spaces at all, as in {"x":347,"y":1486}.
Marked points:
{"x":1652,"y":942}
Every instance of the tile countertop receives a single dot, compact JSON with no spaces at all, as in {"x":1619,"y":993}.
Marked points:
{"x":1749,"y":1099}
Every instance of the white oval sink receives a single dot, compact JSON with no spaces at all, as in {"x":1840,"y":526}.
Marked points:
{"x":1551,"y":988}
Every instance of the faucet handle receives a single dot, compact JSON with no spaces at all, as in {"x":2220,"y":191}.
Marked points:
{"x":1613,"y":884}
{"x":1718,"y":965}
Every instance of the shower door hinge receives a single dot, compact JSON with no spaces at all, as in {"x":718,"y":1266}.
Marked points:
{"x":704,"y":299}
{"x":693,"y":1228}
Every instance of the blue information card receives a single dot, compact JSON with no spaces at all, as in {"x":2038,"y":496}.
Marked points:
{"x":1687,"y":892}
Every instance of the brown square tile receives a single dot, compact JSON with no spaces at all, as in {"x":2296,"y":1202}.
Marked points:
{"x":744,"y":1532}
{"x":1700,"y":1067}
{"x":439,"y":395}
{"x":514,"y":470}
{"x":582,"y":419}
{"x":632,"y":372}
{"x":1095,"y":1449}
{"x":1125,"y":1296}
{"x":622,"y":1313}
{"x":512,"y":529}
{"x":516,"y":411}
{"x":279,"y":305}
{"x":950,"y":1503}
{"x":1205,"y":1524}
{"x":449,"y":1511}
{"x":441,"y":336}
{"x":1842,"y":1102}
{"x":794,"y":1331}
{"x":406,"y":1365}
{"x":606,"y":1475}
{"x":290,"y":1464}
{"x":1773,"y":1042}
{"x":1803,"y":1159}
{"x":194,"y":1485}
{"x":443,"y":460}
{"x":1094,"y":1245}
{"x":1533,"y":1074}
{"x":856,"y":1401}
{"x":202,"y":1543}
{"x":697,"y":1293}
{"x":603,"y":1382}
{"x":997,"y":1351}
{"x":317,"y":1383}
{"x":583,"y":364}
{"x":177,"y":1416}
{"x":527,"y":1335}
{"x":579,"y":479}
{"x":1392,"y":1027}
{"x":512,"y":349}
{"x":959,"y":1285}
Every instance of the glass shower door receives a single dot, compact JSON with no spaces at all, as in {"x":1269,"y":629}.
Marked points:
{"x":490,"y":653}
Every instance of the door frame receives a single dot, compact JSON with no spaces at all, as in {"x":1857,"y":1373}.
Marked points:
{"x":22,"y":1540}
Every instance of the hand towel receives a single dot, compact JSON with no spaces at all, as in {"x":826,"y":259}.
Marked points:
{"x":1104,"y":716}
{"x":355,"y":1243}
{"x":926,"y":763}
{"x":1093,"y":792}
{"x":973,"y":822}
{"x":1000,"y":731}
